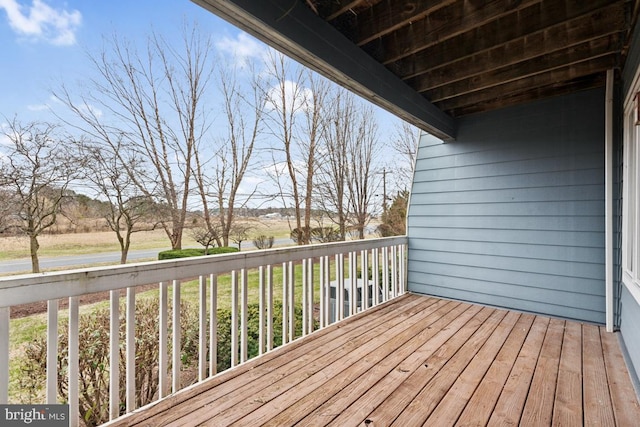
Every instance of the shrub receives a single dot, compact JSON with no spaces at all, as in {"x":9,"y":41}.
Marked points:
{"x":263,"y":242}
{"x":253,"y":332}
{"x":94,"y":359}
{"x":187,"y":253}
{"x":94,"y":354}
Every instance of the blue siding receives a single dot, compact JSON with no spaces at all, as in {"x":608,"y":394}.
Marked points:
{"x":512,"y":213}
{"x":629,"y":321}
{"x":628,"y":313}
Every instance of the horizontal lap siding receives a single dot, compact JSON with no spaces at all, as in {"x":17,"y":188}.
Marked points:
{"x":629,"y":321}
{"x":512,"y":213}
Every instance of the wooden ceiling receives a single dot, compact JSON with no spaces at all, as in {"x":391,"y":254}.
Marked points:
{"x":469,"y":56}
{"x":432,"y":61}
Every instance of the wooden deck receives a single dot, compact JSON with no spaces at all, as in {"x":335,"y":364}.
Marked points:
{"x":420,"y":361}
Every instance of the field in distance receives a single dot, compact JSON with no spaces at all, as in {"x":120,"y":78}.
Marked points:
{"x":106,"y":241}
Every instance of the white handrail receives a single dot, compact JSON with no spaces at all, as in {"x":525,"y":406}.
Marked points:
{"x":28,"y":288}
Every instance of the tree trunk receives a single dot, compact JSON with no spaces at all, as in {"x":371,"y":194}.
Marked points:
{"x":124,"y":248}
{"x":33,"y":247}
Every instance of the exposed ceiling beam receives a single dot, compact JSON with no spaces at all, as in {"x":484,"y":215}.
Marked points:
{"x":546,"y":18}
{"x":340,"y":7}
{"x":389,"y":15}
{"x":559,"y":38}
{"x":295,"y":30}
{"x":513,"y":88}
{"x":539,"y":65}
{"x":443,"y":24}
{"x":554,"y":89}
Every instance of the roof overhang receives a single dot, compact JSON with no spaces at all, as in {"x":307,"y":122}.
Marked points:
{"x":430,"y":62}
{"x":295,"y":30}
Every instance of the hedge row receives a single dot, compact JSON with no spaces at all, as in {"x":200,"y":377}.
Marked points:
{"x":186,"y":253}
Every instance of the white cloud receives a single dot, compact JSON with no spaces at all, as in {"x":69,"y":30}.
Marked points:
{"x":5,"y":141}
{"x":91,"y":110}
{"x":41,"y":22}
{"x":37,"y":107}
{"x":297,"y":98}
{"x":243,"y":48}
{"x":84,"y":107}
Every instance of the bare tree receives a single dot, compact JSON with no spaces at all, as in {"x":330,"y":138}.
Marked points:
{"x":297,"y":101}
{"x":127,"y":210}
{"x":243,"y":108}
{"x":8,"y":218}
{"x":153,"y":104}
{"x":362,"y":182}
{"x":240,"y":233}
{"x":405,"y":143}
{"x":348,"y":180}
{"x":35,"y":171}
{"x":332,"y":195}
{"x":310,"y":139}
{"x":205,"y":236}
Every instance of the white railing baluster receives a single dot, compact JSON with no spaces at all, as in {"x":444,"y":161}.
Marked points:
{"x":285,"y":304}
{"x":327,"y":289}
{"x":114,"y":354}
{"x":340,"y":286}
{"x":261,"y":310}
{"x":177,"y":338}
{"x":202,"y":330}
{"x":4,"y":354}
{"x":234,"y":318}
{"x":310,"y":295}
{"x":213,"y":324}
{"x":385,"y":273}
{"x":130,"y":381}
{"x":292,"y":302}
{"x":352,"y":284}
{"x":244,"y":345}
{"x":394,"y":271}
{"x":364,"y":274}
{"x":375,"y":275}
{"x":269,"y":307}
{"x":305,"y":297}
{"x":52,"y":351}
{"x":323,"y":284}
{"x":163,"y":362}
{"x":403,"y":269}
{"x":73,"y":373}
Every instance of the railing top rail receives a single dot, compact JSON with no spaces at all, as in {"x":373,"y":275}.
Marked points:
{"x":28,"y":288}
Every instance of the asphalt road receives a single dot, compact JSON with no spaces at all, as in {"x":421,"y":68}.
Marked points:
{"x":23,"y":265}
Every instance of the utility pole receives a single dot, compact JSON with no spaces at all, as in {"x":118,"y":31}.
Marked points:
{"x":384,"y":191}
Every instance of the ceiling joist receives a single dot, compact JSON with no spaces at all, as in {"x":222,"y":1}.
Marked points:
{"x":432,"y":61}
{"x":546,"y":18}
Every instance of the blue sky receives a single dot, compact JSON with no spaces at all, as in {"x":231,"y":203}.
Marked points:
{"x":45,"y":41}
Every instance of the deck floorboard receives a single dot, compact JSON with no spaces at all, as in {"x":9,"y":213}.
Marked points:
{"x":419,"y":361}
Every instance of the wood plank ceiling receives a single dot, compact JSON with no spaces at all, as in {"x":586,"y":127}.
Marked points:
{"x":469,"y":56}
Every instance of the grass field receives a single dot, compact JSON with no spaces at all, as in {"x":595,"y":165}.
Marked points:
{"x":96,"y":242}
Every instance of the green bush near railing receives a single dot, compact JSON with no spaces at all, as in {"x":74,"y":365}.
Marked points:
{"x":94,"y":354}
{"x":187,"y":253}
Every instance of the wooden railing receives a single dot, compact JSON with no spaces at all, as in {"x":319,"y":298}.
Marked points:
{"x":322,"y":270}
